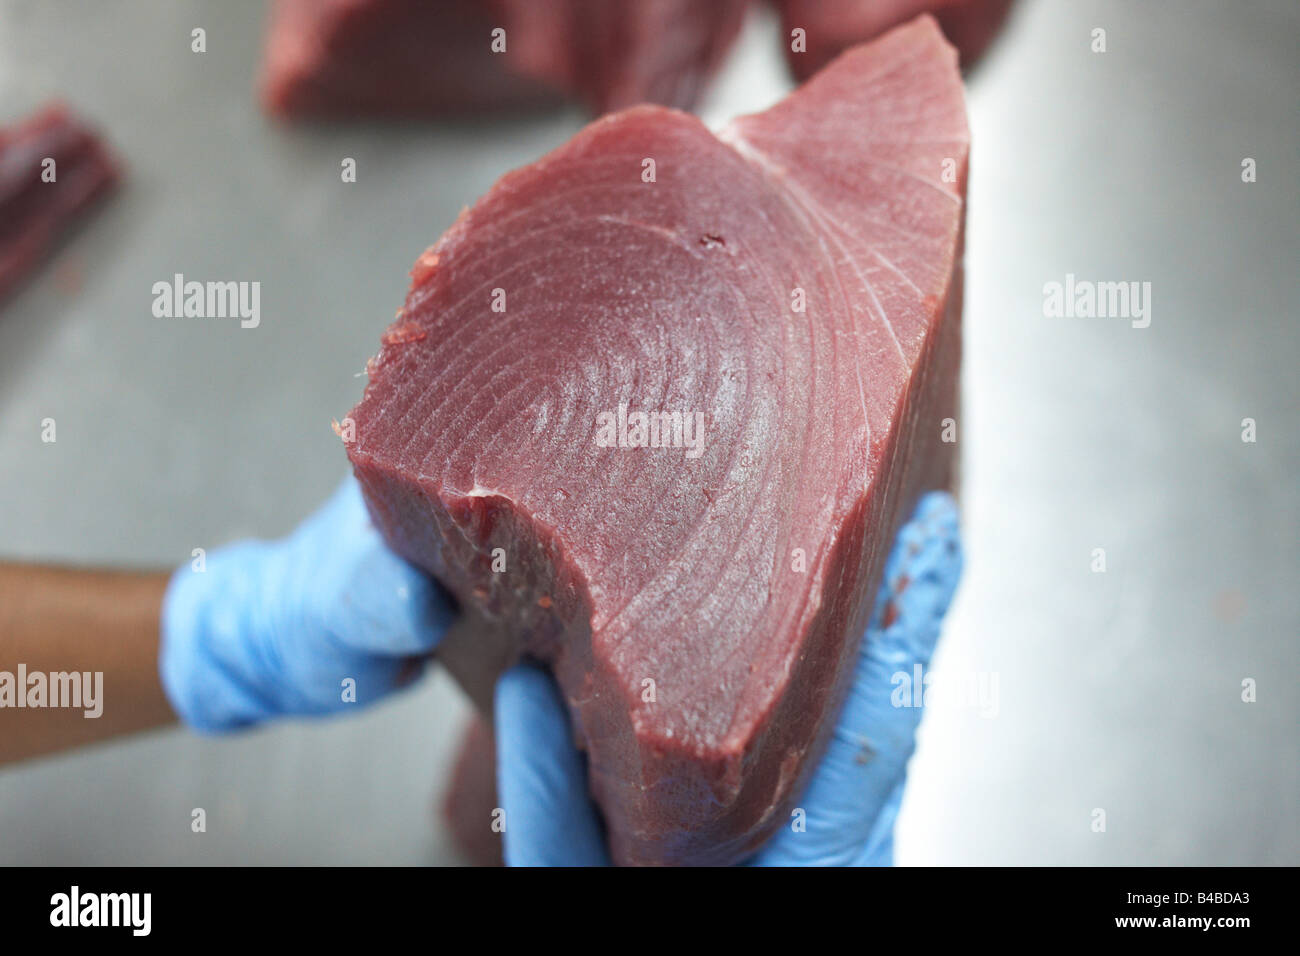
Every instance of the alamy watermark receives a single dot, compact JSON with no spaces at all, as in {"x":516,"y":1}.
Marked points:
{"x":1085,"y":299}
{"x":977,"y":690}
{"x":180,"y":299}
{"x":82,"y":690}
{"x":133,"y":911}
{"x":624,"y":429}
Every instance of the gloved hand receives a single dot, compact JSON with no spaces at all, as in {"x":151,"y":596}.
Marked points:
{"x":851,"y":802}
{"x":275,"y":628}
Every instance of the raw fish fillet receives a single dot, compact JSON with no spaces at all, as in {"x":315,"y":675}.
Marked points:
{"x":34,"y":212}
{"x":419,"y":58}
{"x":794,"y":281}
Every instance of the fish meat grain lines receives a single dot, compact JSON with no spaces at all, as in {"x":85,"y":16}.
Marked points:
{"x":808,"y":310}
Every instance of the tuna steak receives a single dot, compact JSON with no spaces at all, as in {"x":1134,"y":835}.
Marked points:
{"x":52,"y":170}
{"x":784,"y":299}
{"x":414,"y":57}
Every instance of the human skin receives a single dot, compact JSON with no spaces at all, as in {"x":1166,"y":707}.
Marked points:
{"x":56,"y":619}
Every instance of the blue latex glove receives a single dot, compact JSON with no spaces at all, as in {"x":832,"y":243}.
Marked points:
{"x":275,"y":628}
{"x":854,"y":796}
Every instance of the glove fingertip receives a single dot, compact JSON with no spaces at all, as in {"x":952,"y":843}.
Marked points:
{"x":549,"y":818}
{"x":392,"y":607}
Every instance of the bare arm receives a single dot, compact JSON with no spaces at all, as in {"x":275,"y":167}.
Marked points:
{"x":62,"y":621}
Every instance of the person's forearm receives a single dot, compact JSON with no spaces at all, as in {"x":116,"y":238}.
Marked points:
{"x":73,"y":644}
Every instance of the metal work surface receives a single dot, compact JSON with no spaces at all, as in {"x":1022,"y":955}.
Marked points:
{"x":1116,"y":690}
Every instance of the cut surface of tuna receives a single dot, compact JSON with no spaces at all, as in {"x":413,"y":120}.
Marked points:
{"x":53,"y":169}
{"x":781,"y":302}
{"x":412,"y":57}
{"x":832,"y":26}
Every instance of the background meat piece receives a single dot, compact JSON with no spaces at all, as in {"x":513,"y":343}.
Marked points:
{"x":471,"y":797}
{"x":832,"y":26}
{"x":614,"y":55}
{"x":34,"y":212}
{"x":413,"y":57}
{"x":389,"y":58}
{"x":698,"y":610}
